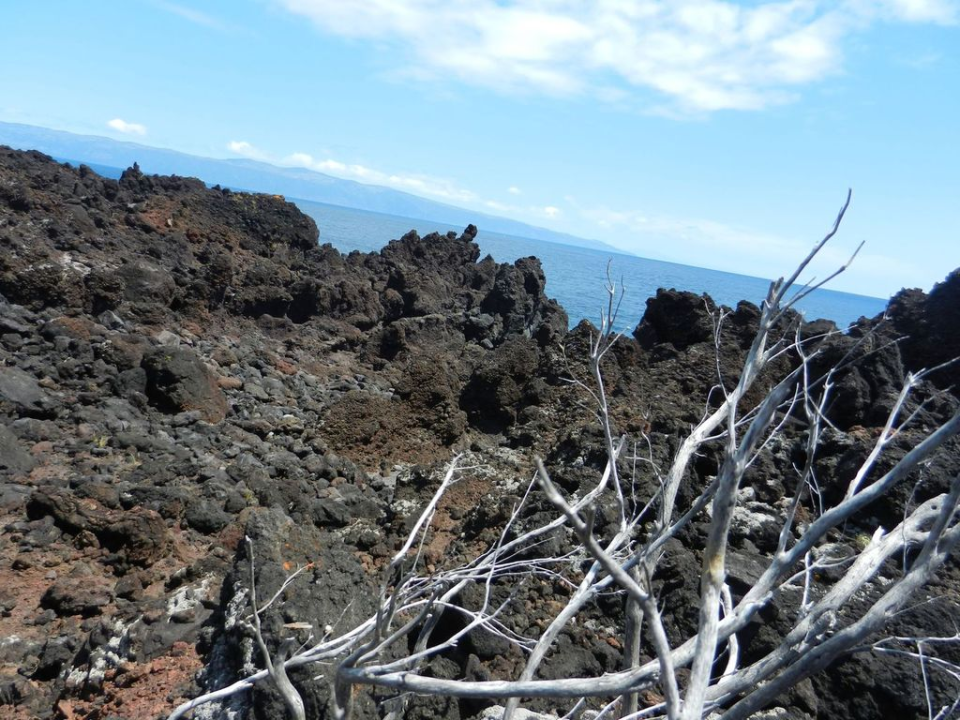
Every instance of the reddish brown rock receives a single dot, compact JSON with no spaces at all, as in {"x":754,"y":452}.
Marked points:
{"x":139,"y":535}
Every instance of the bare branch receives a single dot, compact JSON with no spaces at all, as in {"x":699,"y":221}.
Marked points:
{"x":616,"y":535}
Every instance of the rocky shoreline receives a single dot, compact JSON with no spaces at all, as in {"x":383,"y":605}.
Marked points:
{"x":181,"y":367}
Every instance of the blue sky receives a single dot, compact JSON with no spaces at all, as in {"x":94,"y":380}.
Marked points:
{"x":711,"y":133}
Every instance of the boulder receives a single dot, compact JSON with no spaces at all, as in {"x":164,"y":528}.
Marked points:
{"x":20,"y":392}
{"x":178,"y":381}
{"x":13,"y":458}
{"x":78,"y":596}
{"x":679,"y":318}
{"x":139,"y":536}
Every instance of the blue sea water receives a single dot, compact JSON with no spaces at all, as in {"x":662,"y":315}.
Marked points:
{"x":577,"y":276}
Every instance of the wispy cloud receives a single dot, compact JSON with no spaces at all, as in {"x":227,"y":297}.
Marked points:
{"x":536,"y":214}
{"x":247,"y":150}
{"x":923,"y":61}
{"x":942,"y":12}
{"x":413,"y":183}
{"x":724,"y":246}
{"x":702,"y":55}
{"x":741,"y":249}
{"x":197,"y":17}
{"x":127,"y":128}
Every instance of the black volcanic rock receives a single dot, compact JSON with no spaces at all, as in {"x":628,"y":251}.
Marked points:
{"x":20,"y":392}
{"x":930,"y":326}
{"x":183,"y":366}
{"x":678,"y":318}
{"x":14,"y":459}
{"x":178,"y":381}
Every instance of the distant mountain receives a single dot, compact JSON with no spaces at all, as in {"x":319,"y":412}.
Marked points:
{"x":106,"y":156}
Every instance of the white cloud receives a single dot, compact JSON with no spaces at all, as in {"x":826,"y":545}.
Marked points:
{"x":127,"y":128}
{"x":943,"y":12}
{"x":922,"y":61}
{"x":702,"y":55}
{"x":197,"y":17}
{"x":302,"y":159}
{"x":514,"y":190}
{"x":717,"y":244}
{"x":743,"y":250}
{"x":416,"y":184}
{"x":245,"y":149}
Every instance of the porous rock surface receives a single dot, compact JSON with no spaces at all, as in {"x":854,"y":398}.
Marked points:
{"x":184,"y":367}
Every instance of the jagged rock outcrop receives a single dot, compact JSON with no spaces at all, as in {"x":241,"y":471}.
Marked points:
{"x":928,"y":325}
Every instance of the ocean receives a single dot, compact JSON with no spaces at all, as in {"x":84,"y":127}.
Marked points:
{"x":577,"y":276}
